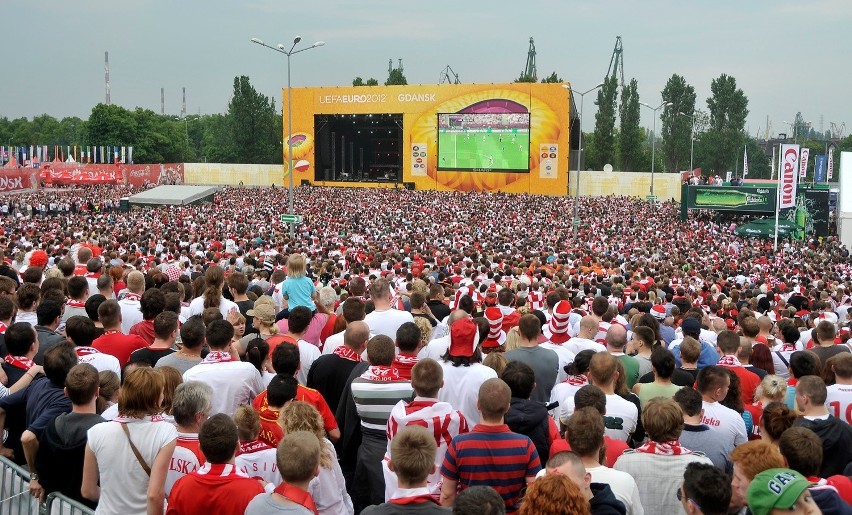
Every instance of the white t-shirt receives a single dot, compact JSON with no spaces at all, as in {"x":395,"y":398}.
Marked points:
{"x":461,"y":387}
{"x":233,"y":382}
{"x":131,"y":314}
{"x":328,"y":489}
{"x":435,"y":348}
{"x":621,"y":417}
{"x":386,"y":322}
{"x":565,"y":357}
{"x":260,"y":464}
{"x":839,"y":401}
{"x":196,"y":307}
{"x":183,"y":461}
{"x":726,"y":423}
{"x":308,"y":353}
{"x":563,"y":393}
{"x":577,"y":344}
{"x":623,"y":486}
{"x":124,"y":484}
{"x":102,"y":362}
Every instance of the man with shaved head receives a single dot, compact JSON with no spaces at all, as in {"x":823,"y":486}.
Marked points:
{"x":616,"y":342}
{"x":330,"y":372}
{"x":490,"y":455}
{"x":585,"y":338}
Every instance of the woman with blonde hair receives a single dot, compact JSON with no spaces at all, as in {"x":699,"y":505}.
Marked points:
{"x":214,"y":280}
{"x":425,"y":330}
{"x":126,"y":460}
{"x":298,"y":288}
{"x":328,"y":489}
{"x":771,"y":389}
{"x":513,"y":339}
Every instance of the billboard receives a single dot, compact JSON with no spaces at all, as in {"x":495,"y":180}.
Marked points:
{"x":544,"y":149}
{"x":731,"y":198}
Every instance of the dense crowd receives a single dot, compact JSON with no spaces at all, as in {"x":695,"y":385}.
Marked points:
{"x":420,"y":352}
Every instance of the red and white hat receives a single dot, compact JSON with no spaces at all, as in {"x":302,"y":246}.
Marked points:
{"x":464,"y":334}
{"x":557,"y":328}
{"x":496,"y":335}
{"x":658,"y":311}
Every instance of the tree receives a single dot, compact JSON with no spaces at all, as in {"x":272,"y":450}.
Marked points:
{"x":676,"y":123}
{"x":525,"y":78}
{"x":251,"y":125}
{"x":551,"y":79}
{"x":396,"y":78}
{"x":370,"y":82}
{"x":630,"y":135}
{"x":107,"y":125}
{"x":602,"y":148}
{"x":728,"y":107}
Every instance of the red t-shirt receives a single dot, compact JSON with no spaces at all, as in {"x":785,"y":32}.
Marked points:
{"x":749,"y":381}
{"x":145,"y":330}
{"x":120,"y":345}
{"x":303,"y":393}
{"x":213,"y":489}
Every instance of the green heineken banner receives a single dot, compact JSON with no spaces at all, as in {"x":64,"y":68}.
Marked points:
{"x":725,"y":198}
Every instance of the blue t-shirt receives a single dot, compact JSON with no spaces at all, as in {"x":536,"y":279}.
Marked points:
{"x":299,"y":291}
{"x":43,"y":400}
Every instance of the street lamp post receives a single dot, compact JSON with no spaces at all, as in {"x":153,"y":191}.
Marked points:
{"x":576,"y":221}
{"x":281,"y":49}
{"x":691,"y":138}
{"x":654,"y":141}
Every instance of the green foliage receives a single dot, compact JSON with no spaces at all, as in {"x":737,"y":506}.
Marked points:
{"x":358,"y":81}
{"x":525,"y":78}
{"x":602,"y":148}
{"x":728,"y":107}
{"x":630,"y":135}
{"x":758,"y":161}
{"x":550,"y":79}
{"x":676,"y":127}
{"x":396,"y":78}
{"x":250,"y":127}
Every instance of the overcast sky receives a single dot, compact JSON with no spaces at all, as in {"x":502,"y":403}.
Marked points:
{"x":786,"y":55}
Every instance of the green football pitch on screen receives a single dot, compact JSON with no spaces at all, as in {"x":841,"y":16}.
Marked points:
{"x":483,"y":150}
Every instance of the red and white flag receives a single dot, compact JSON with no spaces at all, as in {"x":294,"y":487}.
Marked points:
{"x":787,"y":177}
{"x":745,"y":162}
{"x":803,"y":169}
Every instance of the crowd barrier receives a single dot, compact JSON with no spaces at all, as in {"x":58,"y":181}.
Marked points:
{"x":15,"y":496}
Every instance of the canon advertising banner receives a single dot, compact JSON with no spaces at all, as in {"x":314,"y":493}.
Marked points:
{"x":787,"y":176}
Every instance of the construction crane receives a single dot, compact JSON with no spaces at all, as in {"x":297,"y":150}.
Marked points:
{"x":616,"y":62}
{"x":529,"y":70}
{"x":449,"y":76}
{"x":837,"y":131}
{"x":390,"y":65}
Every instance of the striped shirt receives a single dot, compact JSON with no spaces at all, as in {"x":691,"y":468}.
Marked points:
{"x":492,"y":456}
{"x":374,"y":400}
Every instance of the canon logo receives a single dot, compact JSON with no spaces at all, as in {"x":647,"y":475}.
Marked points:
{"x":788,"y":185}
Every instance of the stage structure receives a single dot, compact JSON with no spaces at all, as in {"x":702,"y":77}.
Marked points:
{"x":173,"y":196}
{"x":451,"y":137}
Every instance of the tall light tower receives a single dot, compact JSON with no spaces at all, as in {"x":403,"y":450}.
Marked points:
{"x":281,"y":49}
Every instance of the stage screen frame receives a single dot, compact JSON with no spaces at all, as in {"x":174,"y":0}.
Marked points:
{"x":489,"y":167}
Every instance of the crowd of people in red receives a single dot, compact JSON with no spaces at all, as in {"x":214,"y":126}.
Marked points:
{"x":419,"y":352}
